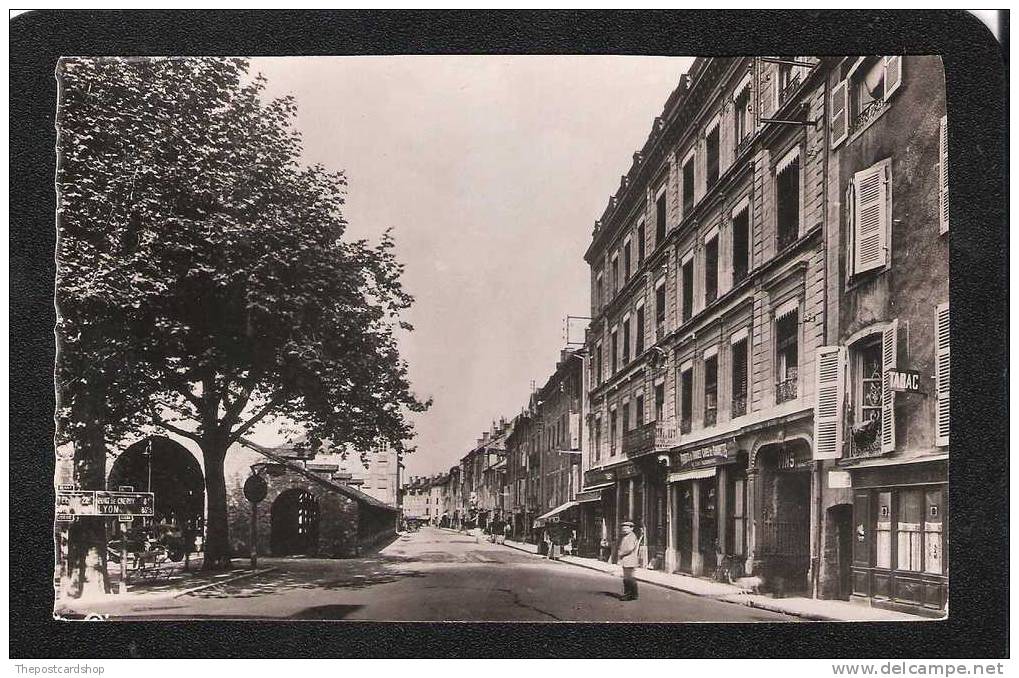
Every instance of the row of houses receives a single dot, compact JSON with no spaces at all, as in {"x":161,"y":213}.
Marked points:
{"x":764,"y":384}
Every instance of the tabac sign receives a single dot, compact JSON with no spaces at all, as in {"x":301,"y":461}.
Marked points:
{"x":904,"y":381}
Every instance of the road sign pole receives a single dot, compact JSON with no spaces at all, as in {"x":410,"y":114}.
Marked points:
{"x":123,"y":557}
{"x":254,"y":535}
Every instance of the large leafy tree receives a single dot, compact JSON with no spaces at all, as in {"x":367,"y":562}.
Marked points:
{"x":236,"y":296}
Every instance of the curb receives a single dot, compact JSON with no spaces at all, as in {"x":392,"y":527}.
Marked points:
{"x":228,"y":580}
{"x":722,"y":598}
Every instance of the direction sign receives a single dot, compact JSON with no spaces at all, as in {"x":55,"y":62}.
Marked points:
{"x":125,"y":503}
{"x":74,"y":503}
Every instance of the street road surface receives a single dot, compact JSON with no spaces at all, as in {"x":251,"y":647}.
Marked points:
{"x":435,"y":575}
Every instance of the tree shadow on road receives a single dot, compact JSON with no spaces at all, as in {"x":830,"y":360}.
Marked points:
{"x":326,"y":612}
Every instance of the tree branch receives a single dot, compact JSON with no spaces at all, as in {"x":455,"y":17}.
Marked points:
{"x":257,"y":417}
{"x":158,"y":421}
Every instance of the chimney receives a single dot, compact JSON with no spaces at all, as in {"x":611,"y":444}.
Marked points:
{"x":484,"y":437}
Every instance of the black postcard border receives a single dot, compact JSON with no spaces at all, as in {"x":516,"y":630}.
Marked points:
{"x":978,"y":107}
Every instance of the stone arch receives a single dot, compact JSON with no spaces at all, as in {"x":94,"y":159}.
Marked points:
{"x":779,"y":438}
{"x":166,"y":468}
{"x":294,"y":517}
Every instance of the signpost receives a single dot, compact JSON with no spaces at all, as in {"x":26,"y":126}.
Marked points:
{"x":255,"y":489}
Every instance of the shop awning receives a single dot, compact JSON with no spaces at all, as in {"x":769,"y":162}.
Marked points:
{"x":552,"y":516}
{"x":693,"y":475}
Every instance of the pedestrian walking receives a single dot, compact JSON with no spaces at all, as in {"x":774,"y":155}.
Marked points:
{"x":507,"y":529}
{"x":629,"y":559}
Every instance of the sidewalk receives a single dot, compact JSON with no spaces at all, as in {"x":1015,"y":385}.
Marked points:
{"x":806,"y":608}
{"x":178,"y":583}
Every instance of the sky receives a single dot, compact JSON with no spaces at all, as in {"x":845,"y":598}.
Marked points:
{"x":492,"y":171}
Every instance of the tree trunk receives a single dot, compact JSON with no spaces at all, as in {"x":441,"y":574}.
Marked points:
{"x":217,"y":533}
{"x":86,"y":545}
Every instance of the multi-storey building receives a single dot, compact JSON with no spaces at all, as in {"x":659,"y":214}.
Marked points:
{"x":885,"y":384}
{"x":522,"y":504}
{"x":745,"y":265}
{"x":417,"y":499}
{"x":559,"y":431}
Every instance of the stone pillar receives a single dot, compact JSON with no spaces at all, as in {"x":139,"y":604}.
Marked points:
{"x":696,"y":560}
{"x":671,"y":555}
{"x":722,"y":507}
{"x":618,"y":520}
{"x":630,"y":513}
{"x":753,"y":511}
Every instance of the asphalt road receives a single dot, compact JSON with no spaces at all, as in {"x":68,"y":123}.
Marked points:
{"x":436,"y":575}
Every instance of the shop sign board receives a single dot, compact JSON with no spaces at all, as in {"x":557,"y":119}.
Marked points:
{"x":711,"y":455}
{"x":125,"y":503}
{"x":904,"y":381}
{"x":839,"y":480}
{"x":599,"y":476}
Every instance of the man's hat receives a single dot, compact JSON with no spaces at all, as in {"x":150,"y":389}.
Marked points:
{"x":628,"y":522}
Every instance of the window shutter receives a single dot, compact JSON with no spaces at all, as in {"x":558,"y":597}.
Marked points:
{"x":870,"y":216}
{"x":831,"y":368}
{"x":839,"y":113}
{"x":944,"y":174}
{"x":942,"y":371}
{"x":893,"y":74}
{"x":889,"y":348}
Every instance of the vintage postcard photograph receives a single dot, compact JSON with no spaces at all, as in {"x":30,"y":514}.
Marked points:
{"x":493,"y":338}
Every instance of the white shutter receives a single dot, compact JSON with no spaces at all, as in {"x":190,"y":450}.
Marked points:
{"x":839,"y":111}
{"x":831,"y":368}
{"x":942,"y":371}
{"x":574,"y":431}
{"x":870,"y":239}
{"x":944,"y":175}
{"x":889,"y":349}
{"x":893,"y":74}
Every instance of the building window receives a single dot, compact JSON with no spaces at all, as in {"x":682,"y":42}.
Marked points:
{"x":660,"y":403}
{"x":639,"y":340}
{"x":867,"y":396}
{"x":660,"y":217}
{"x":641,"y":243}
{"x":660,"y":311}
{"x":626,"y":417}
{"x":787,"y":356}
{"x":711,"y":270}
{"x":626,"y":342}
{"x":869,"y":200}
{"x":688,"y":290}
{"x":599,"y":373}
{"x":626,"y":261}
{"x":788,"y":79}
{"x":615,"y":351}
{"x":615,"y":274}
{"x":742,"y":115}
{"x":597,"y":439}
{"x":639,"y":411}
{"x":688,"y":187}
{"x":787,"y":192}
{"x":739,"y":378}
{"x":740,"y":246}
{"x":686,"y":400}
{"x":712,"y":156}
{"x":613,"y":432}
{"x":599,"y":299}
{"x":711,"y":390}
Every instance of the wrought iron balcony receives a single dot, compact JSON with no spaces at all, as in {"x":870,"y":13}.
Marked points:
{"x":786,"y":92}
{"x":864,"y":117}
{"x":785,"y":390}
{"x":650,"y":437}
{"x":739,"y":405}
{"x":710,"y":416}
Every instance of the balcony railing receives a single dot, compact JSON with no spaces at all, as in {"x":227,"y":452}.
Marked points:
{"x":739,"y":405}
{"x":790,"y":87}
{"x":863,"y":118}
{"x":650,"y":437}
{"x":659,"y":331}
{"x":710,"y":416}
{"x":785,"y":390}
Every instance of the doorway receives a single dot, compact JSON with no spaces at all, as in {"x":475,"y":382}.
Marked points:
{"x":294,"y":521}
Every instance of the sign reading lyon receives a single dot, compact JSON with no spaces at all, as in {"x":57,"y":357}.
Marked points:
{"x":125,"y":503}
{"x":905,"y":381}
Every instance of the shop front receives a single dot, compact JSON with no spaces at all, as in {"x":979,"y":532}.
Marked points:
{"x":599,"y":525}
{"x":707,"y":500}
{"x":900,"y":537}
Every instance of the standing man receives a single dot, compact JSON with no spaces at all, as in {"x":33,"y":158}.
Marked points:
{"x":629,"y":548}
